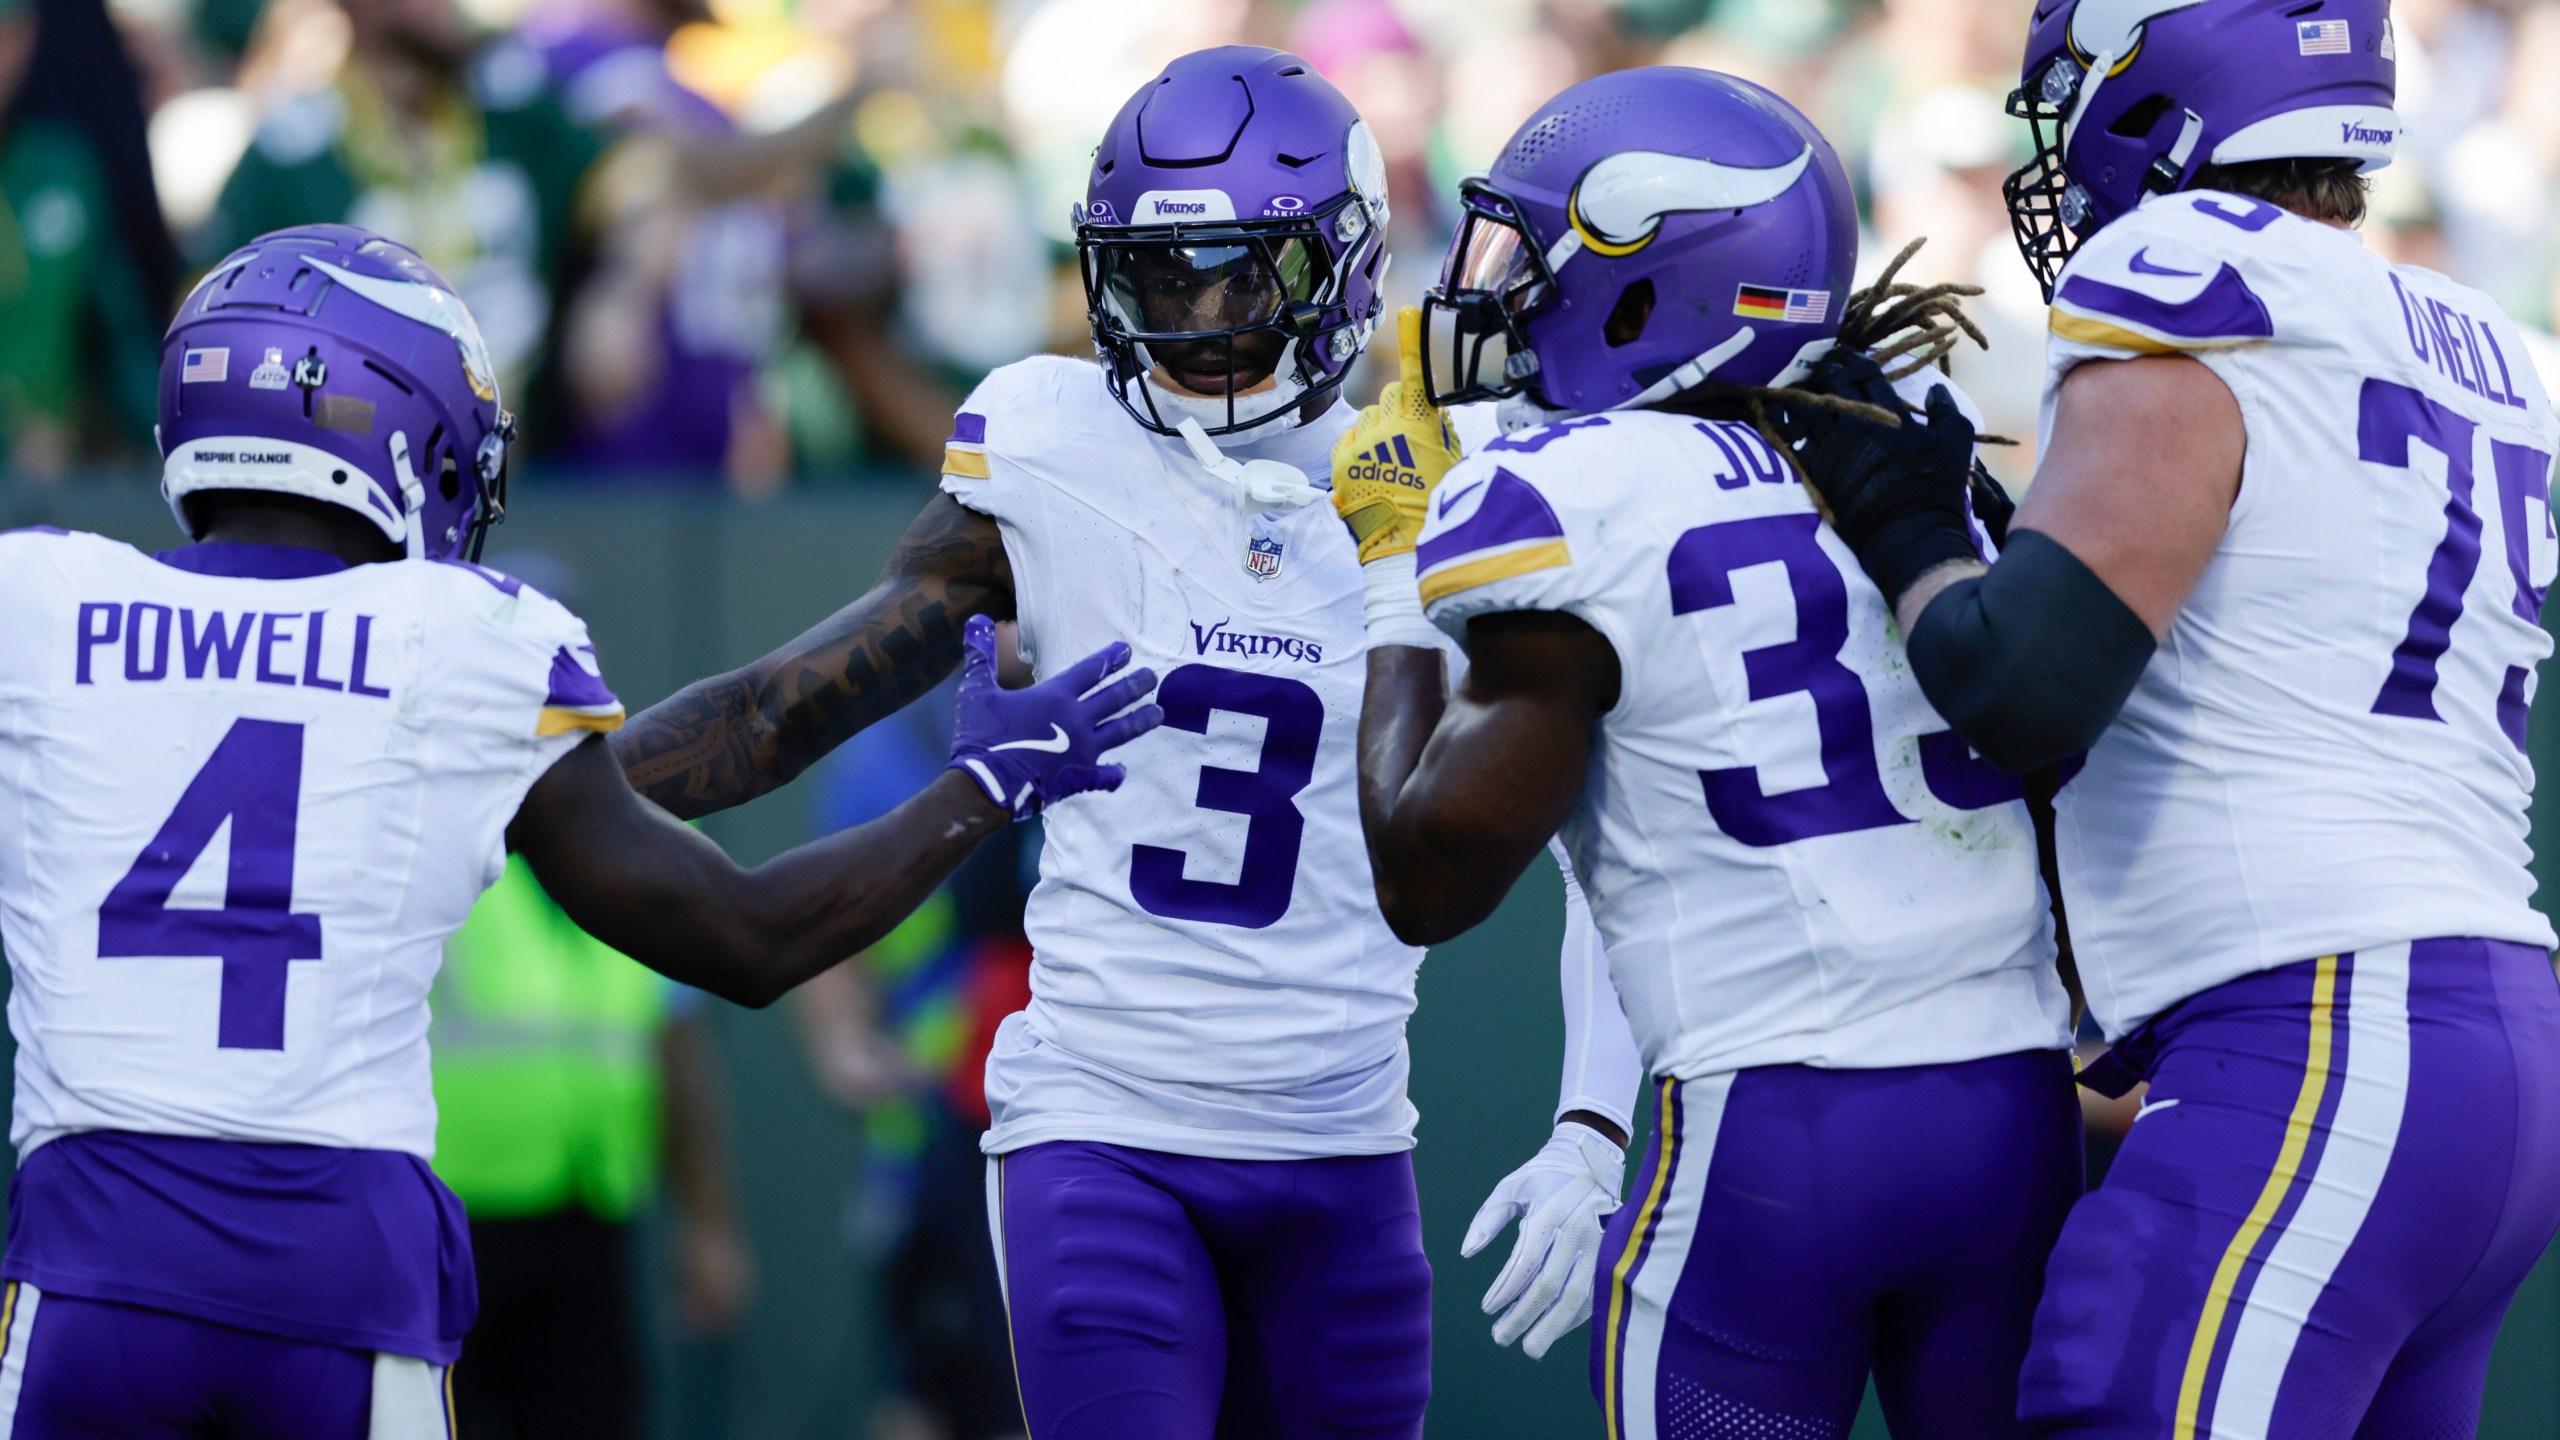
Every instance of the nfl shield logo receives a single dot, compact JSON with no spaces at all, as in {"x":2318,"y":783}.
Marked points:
{"x":1262,"y":557}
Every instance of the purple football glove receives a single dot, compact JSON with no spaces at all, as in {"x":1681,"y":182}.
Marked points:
{"x":1033,"y":747}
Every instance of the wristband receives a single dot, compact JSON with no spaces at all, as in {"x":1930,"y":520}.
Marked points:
{"x":1391,"y":598}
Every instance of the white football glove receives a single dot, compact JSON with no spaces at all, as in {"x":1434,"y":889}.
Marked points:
{"x":1566,"y":1192}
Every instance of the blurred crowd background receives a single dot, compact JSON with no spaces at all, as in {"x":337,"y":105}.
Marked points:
{"x":743,"y":246}
{"x":761,"y":243}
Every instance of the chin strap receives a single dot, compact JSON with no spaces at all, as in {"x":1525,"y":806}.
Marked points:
{"x":1518,"y":411}
{"x":413,"y":493}
{"x":1260,"y":485}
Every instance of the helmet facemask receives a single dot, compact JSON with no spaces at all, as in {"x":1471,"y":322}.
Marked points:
{"x":1475,"y":342}
{"x":1206,"y":306}
{"x":2047,"y":208}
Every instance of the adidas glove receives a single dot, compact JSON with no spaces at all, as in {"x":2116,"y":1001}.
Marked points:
{"x":1384,"y":468}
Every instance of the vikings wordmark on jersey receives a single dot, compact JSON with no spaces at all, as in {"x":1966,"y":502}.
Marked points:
{"x":1212,"y":976}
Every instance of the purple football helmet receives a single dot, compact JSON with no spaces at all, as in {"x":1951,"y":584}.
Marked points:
{"x":330,"y":363}
{"x":1647,"y":231}
{"x":2130,"y":98}
{"x":1233,"y":231}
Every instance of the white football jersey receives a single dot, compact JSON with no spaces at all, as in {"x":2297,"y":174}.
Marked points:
{"x":1211,"y":975}
{"x":238,"y":818}
{"x":1791,"y":858}
{"x":2327,"y":753}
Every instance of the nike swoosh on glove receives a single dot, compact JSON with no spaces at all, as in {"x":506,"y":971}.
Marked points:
{"x":1564,"y":1196}
{"x":1033,"y":747}
{"x":1896,"y":492}
{"x":1385,"y":465}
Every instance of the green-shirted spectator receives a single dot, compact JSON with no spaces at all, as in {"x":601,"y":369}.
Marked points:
{"x":568,"y":1080}
{"x":86,"y":268}
{"x":459,"y":150}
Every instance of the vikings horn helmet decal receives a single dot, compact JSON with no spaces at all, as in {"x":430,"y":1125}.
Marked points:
{"x":1650,"y":230}
{"x":1620,"y":202}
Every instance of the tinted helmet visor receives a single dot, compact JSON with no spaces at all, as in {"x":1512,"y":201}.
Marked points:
{"x":1474,"y":346}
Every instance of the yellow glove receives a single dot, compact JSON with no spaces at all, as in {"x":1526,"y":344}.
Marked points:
{"x":1386,"y":464}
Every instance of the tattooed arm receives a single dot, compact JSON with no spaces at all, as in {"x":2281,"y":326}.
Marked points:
{"x":728,"y":739}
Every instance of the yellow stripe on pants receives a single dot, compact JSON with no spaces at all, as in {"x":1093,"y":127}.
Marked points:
{"x":1646,"y":1218}
{"x":2235,"y":1256}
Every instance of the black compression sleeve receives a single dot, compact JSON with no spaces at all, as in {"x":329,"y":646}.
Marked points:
{"x":2031,"y":660}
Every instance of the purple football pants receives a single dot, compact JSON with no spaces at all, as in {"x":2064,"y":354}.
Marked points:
{"x":2342,"y":1170}
{"x":1793,"y":1229}
{"x":76,"y":1369}
{"x":1178,"y":1298}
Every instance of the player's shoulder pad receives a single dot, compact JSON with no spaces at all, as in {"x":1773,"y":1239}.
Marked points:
{"x":1024,"y":409}
{"x":2197,"y":270}
{"x":1497,"y":514}
{"x":23,"y":550}
{"x":542,"y":641}
{"x":22,"y":554}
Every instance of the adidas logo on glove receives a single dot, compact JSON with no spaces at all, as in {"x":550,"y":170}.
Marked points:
{"x":1391,"y":462}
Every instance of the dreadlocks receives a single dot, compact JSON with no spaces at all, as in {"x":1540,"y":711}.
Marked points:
{"x":1905,"y":328}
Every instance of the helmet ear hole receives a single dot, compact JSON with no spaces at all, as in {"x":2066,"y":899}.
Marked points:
{"x":2137,"y":123}
{"x":449,"y":484}
{"x":1627,"y":317}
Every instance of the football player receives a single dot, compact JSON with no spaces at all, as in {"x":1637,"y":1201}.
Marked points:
{"x":1823,"y":913}
{"x":300,"y":747}
{"x":1200,"y":1181}
{"x":2281,"y":573}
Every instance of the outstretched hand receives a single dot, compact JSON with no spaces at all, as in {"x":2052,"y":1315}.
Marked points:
{"x":1386,"y":464}
{"x":1562,"y":1199}
{"x":1896,"y":492}
{"x":1030,"y":748}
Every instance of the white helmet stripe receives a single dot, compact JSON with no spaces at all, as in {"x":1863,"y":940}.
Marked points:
{"x":1621,"y":199}
{"x":427,"y":305}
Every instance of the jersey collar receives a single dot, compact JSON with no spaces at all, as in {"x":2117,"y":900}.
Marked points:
{"x":252,"y":562}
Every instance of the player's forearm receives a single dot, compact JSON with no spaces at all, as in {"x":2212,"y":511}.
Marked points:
{"x":810,"y":908}
{"x":668,"y":897}
{"x":723,"y":741}
{"x":1407,"y":691}
{"x":728,"y":739}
